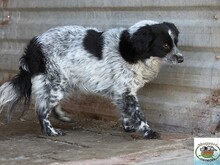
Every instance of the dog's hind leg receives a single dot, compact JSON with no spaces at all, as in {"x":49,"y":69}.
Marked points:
{"x":60,"y":114}
{"x":48,"y":94}
{"x":133,"y":117}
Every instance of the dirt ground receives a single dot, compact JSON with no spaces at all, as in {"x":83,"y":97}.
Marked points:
{"x":88,"y":142}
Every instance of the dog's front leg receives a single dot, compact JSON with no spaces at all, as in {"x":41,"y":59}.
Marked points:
{"x":133,"y":117}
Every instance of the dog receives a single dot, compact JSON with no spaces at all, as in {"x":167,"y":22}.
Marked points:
{"x":114,"y":63}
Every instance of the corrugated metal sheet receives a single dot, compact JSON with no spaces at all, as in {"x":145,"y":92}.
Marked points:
{"x":182,"y":96}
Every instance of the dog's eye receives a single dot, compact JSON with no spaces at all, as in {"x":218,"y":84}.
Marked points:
{"x":166,"y":46}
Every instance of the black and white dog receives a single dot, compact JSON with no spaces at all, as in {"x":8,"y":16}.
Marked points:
{"x":114,"y":63}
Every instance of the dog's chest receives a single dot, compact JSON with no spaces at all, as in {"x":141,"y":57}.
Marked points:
{"x":145,"y":72}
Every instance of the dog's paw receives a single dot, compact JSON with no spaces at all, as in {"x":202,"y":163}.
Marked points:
{"x":129,"y":129}
{"x":53,"y":132}
{"x":59,"y":132}
{"x":151,"y":135}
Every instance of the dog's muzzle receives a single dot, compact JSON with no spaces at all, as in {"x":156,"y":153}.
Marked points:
{"x":174,"y":57}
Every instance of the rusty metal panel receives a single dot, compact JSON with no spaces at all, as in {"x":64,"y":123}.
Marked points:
{"x":183,"y":96}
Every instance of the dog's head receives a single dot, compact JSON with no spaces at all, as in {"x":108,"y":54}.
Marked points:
{"x":147,"y":38}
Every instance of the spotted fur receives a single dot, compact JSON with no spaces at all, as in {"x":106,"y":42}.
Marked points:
{"x":114,"y":64}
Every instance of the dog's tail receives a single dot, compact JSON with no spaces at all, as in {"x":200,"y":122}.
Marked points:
{"x":11,"y":92}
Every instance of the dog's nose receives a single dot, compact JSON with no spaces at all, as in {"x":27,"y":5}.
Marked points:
{"x":180,"y":59}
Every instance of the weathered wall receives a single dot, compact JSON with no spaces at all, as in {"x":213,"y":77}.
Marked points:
{"x":183,"y":96}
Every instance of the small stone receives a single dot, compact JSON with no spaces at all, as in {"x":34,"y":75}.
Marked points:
{"x":215,"y":17}
{"x":217,"y":57}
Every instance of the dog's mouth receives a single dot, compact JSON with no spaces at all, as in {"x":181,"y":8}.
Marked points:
{"x":175,"y":58}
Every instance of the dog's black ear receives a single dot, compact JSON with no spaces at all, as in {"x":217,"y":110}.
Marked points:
{"x":172,"y":27}
{"x":141,"y":39}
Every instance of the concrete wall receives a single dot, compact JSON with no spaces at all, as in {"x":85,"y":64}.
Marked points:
{"x":184,"y":96}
